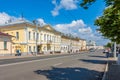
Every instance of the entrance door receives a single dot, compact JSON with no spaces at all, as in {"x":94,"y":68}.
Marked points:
{"x":39,"y":48}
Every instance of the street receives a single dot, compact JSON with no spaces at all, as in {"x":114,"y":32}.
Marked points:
{"x":83,"y":66}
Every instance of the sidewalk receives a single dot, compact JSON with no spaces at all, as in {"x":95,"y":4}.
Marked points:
{"x":25,"y":56}
{"x":113,"y":70}
{"x":30,"y":55}
{"x":11,"y":57}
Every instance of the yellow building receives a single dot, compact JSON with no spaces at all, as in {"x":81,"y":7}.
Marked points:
{"x":84,"y":47}
{"x":50,"y":39}
{"x":24,"y":33}
{"x":27,"y":35}
{"x":65,"y":44}
{"x":71,"y":44}
{"x":5,"y":44}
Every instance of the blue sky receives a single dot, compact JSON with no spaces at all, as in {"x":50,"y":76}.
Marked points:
{"x":64,"y":15}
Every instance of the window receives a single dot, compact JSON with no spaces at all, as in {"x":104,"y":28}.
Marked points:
{"x":53,"y":38}
{"x":29,"y":48}
{"x":34,"y":48}
{"x":47,"y":37}
{"x":50,"y":38}
{"x":29,"y":35}
{"x":5,"y":44}
{"x":44,"y":37}
{"x":34,"y":36}
{"x":17,"y":35}
{"x":38,"y":36}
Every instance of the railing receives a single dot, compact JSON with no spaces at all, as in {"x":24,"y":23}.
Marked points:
{"x":49,"y":41}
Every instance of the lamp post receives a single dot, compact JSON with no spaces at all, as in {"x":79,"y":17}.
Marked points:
{"x":34,"y":21}
{"x":114,"y":54}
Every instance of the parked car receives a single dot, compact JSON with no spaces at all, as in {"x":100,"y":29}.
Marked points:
{"x":18,"y":54}
{"x":92,"y":50}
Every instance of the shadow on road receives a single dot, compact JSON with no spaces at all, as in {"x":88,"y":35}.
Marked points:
{"x":94,"y":61}
{"x":98,"y":56}
{"x":70,"y":74}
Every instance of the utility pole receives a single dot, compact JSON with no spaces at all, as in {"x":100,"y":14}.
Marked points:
{"x":34,"y":21}
{"x":114,"y":53}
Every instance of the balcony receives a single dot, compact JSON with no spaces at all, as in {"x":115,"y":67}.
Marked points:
{"x":49,"y":42}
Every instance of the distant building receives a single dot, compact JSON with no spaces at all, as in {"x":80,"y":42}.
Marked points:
{"x":91,"y":44}
{"x":83,"y":44}
{"x":5,"y":44}
{"x":72,"y":44}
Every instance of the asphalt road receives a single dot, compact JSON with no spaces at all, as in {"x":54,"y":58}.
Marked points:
{"x":86,"y":66}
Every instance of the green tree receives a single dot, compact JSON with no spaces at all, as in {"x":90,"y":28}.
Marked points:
{"x":86,"y":3}
{"x":109,"y":45}
{"x":109,"y":22}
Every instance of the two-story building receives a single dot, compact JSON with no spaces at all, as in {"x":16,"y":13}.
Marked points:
{"x":24,"y":33}
{"x":83,"y":48}
{"x":30,"y":38}
{"x":50,"y":40}
{"x":71,"y":44}
{"x":65,"y":44}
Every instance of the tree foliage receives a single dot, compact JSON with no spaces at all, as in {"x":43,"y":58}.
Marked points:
{"x":109,"y":45}
{"x":109,"y":22}
{"x":86,"y":3}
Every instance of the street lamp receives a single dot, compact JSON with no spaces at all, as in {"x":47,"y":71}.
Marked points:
{"x":114,"y":53}
{"x":114,"y":49}
{"x":34,"y":22}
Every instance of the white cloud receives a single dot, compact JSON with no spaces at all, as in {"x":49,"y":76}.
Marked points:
{"x":55,"y":12}
{"x":4,"y":17}
{"x":41,"y":22}
{"x":68,"y":4}
{"x":63,"y":4}
{"x":87,"y":30}
{"x":73,"y":26}
{"x":80,"y":29}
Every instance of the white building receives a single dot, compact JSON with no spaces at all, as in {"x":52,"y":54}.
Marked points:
{"x":91,"y":44}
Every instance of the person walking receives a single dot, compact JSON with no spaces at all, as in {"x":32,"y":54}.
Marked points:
{"x":118,"y":61}
{"x":107,"y":52}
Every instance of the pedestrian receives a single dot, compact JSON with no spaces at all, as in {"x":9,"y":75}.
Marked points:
{"x":119,"y":51}
{"x":107,"y":53}
{"x":118,"y":61}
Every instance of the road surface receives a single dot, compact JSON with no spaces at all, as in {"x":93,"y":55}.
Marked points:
{"x":86,"y":66}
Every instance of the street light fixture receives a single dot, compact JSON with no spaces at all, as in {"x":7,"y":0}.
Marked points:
{"x":115,"y":48}
{"x":34,"y":22}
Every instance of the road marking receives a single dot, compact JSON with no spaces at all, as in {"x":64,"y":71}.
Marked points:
{"x":10,"y":64}
{"x":1,"y":61}
{"x":57,"y":64}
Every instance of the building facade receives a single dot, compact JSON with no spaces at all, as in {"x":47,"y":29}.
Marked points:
{"x":65,"y":44}
{"x":24,"y":33}
{"x":30,"y":38}
{"x":91,"y":44}
{"x":50,"y":40}
{"x":72,"y":44}
{"x":83,"y":45}
{"x":5,"y":44}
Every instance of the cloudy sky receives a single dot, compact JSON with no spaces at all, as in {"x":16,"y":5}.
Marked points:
{"x":64,"y":15}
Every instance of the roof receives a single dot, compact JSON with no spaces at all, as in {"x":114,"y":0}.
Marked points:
{"x":50,"y":29}
{"x":15,"y":22}
{"x":4,"y":34}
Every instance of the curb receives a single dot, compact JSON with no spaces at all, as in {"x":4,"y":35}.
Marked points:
{"x":105,"y":72}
